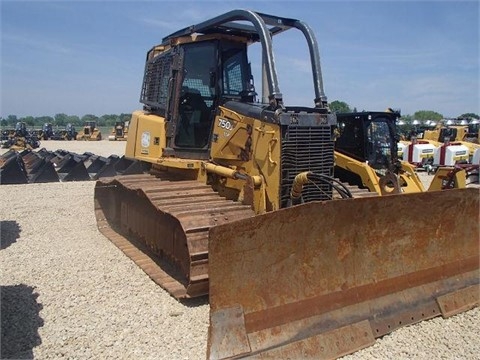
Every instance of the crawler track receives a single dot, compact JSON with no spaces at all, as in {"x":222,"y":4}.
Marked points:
{"x":356,"y":192}
{"x":166,"y":223}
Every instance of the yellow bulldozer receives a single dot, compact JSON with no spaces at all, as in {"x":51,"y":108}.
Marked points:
{"x":237,"y":203}
{"x":90,"y":132}
{"x":455,"y":130}
{"x":119,"y":131}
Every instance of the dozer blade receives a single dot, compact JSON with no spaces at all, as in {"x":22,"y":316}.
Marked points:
{"x":324,"y":279}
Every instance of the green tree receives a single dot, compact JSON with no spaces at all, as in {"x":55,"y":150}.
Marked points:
{"x":61,"y":119}
{"x":424,"y":115}
{"x":404,"y":126}
{"x":340,"y":107}
{"x":3,"y":122}
{"x":29,"y":120}
{"x":74,"y":120}
{"x":40,"y":120}
{"x":12,"y":120}
{"x":469,"y":116}
{"x":89,"y":117}
{"x":125,"y":117}
{"x":109,"y":120}
{"x":406,"y":119}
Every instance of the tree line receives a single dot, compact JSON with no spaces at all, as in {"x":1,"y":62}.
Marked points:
{"x":61,"y":120}
{"x":421,"y":115}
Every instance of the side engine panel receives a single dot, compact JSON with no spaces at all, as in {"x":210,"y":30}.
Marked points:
{"x":147,"y":137}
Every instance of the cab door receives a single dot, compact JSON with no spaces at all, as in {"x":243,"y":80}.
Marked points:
{"x":194,"y":99}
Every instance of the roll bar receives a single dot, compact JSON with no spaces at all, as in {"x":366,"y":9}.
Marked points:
{"x":224,"y":24}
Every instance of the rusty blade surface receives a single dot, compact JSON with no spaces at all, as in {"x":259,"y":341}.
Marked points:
{"x":163,"y":226}
{"x":300,"y":273}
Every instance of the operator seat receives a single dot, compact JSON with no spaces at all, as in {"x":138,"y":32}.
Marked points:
{"x":195,"y":121}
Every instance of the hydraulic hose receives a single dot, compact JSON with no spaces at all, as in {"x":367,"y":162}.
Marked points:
{"x":310,"y":177}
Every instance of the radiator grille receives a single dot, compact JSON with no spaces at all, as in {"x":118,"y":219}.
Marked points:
{"x":306,"y":148}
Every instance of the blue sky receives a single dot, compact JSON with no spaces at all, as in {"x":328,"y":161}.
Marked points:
{"x":87,"y":57}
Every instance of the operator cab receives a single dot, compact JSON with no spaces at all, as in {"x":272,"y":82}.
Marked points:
{"x":69,"y":128}
{"x":201,"y":67}
{"x":119,"y":128}
{"x":368,"y":137}
{"x":447,"y":134}
{"x":201,"y":92}
{"x":186,"y":84}
{"x":89,"y":127}
{"x":21,"y":129}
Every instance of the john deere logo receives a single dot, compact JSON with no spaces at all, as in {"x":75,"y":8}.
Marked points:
{"x":145,"y":139}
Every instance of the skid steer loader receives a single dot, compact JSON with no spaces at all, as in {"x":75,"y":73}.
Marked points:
{"x":236,"y":204}
{"x":366,"y":156}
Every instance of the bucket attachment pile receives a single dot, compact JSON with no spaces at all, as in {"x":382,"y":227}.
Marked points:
{"x":12,"y":169}
{"x":44,"y":166}
{"x":324,"y":279}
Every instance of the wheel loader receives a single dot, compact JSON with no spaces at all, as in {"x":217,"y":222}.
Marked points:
{"x":237,"y":203}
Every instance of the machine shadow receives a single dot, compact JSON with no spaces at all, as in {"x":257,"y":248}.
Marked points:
{"x":9,"y":233}
{"x":20,"y":321}
{"x":196,"y":301}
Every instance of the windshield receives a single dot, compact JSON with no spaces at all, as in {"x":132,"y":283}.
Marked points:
{"x":379,"y":148}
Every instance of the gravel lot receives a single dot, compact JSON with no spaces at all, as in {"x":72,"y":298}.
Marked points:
{"x":66,"y":291}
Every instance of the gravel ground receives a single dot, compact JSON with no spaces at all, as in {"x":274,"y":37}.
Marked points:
{"x":66,"y":291}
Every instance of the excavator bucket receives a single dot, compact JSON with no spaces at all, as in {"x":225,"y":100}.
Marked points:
{"x":324,"y":279}
{"x":12,"y":169}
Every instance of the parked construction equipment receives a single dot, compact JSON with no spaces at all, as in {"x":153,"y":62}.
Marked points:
{"x":473,"y":134}
{"x":6,"y":134}
{"x":90,"y":132}
{"x":451,"y":133}
{"x":418,"y":152}
{"x":20,"y":138}
{"x":69,"y":133}
{"x":237,"y":204}
{"x":119,"y":131}
{"x":48,"y":132}
{"x":366,"y":156}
